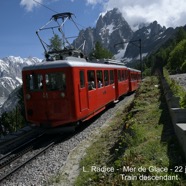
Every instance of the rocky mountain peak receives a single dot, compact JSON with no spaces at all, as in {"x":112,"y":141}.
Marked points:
{"x":156,"y":28}
{"x":113,"y":17}
{"x":152,"y":37}
{"x":110,"y":28}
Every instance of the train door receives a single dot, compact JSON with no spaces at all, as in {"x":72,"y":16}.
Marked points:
{"x":57,"y":104}
{"x":101,"y":92}
{"x":130,"y":83}
{"x":35,"y":96}
{"x":116,"y":84}
{"x":111,"y":87}
{"x":92,"y":94}
{"x":82,"y":91}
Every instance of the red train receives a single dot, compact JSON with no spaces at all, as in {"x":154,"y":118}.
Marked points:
{"x":65,"y":92}
{"x":66,"y":89}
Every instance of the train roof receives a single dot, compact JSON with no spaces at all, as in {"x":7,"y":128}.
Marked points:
{"x":132,"y":69}
{"x":70,"y":62}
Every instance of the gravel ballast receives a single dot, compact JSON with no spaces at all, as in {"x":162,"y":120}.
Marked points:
{"x":58,"y":158}
{"x":180,"y":78}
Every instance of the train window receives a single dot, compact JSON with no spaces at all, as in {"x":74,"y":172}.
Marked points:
{"x":132,"y":77}
{"x":82,"y":78}
{"x":106,"y":77}
{"x":99,"y":78}
{"x":111,"y":76}
{"x":91,"y":80}
{"x":119,"y":75}
{"x":55,"y":81}
{"x":34,"y":82}
{"x":126,"y":74}
{"x":122,"y":75}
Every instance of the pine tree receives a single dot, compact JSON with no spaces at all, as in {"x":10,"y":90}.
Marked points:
{"x":181,"y":35}
{"x":15,"y":119}
{"x":99,"y":52}
{"x":177,"y":57}
{"x":55,"y":43}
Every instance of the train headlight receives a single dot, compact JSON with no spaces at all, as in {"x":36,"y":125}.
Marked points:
{"x":62,"y":94}
{"x":28,"y":96}
{"x":30,"y":112}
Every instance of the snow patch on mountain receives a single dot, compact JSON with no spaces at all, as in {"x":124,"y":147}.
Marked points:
{"x":111,"y":28}
{"x":10,"y":74}
{"x":121,"y":53}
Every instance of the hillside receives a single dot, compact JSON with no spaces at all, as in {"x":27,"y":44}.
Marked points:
{"x":131,"y":148}
{"x":171,"y":54}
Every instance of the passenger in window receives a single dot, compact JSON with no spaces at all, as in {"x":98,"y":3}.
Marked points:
{"x":91,"y":85}
{"x":100,"y":84}
{"x":41,"y":84}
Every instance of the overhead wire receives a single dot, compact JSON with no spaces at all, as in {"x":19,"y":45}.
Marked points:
{"x":45,"y":6}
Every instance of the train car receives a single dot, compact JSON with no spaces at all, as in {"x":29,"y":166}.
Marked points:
{"x":121,"y":81}
{"x":65,"y":89}
{"x":65,"y":92}
{"x":134,"y":79}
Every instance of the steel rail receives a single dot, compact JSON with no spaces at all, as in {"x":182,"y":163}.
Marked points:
{"x":22,"y":146}
{"x":27,"y":161}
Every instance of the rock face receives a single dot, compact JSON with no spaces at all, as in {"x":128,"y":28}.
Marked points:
{"x":152,"y":37}
{"x":111,"y":28}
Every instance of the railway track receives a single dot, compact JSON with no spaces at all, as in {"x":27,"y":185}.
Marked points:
{"x":10,"y":162}
{"x":18,"y":151}
{"x":46,"y":165}
{"x":15,"y":140}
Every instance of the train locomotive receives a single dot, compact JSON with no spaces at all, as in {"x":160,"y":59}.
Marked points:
{"x":66,"y":89}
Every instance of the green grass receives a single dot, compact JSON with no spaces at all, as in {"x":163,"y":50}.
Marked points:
{"x":138,"y":137}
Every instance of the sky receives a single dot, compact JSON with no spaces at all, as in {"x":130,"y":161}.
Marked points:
{"x":20,"y":19}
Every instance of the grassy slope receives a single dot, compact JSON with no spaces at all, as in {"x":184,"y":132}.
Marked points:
{"x":140,"y":136}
